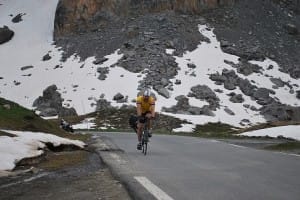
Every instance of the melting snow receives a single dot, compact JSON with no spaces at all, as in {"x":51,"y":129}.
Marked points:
{"x":26,"y":145}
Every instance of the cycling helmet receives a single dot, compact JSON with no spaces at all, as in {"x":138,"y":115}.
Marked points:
{"x":147,"y":93}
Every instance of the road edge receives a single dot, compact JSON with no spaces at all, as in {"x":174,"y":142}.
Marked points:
{"x":114,"y":158}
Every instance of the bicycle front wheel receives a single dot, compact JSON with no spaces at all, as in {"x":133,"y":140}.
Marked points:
{"x":145,"y":146}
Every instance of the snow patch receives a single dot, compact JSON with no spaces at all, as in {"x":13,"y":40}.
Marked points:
{"x":291,"y":131}
{"x":26,"y":145}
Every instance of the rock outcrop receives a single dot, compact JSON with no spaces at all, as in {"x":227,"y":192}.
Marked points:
{"x":5,"y":34}
{"x":72,"y":14}
{"x":50,"y":104}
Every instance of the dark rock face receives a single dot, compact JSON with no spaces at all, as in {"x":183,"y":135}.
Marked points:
{"x":119,"y":98}
{"x":26,"y":67}
{"x":100,"y":61}
{"x":71,"y":14}
{"x":228,"y":111}
{"x":183,"y":107}
{"x":298,"y":94}
{"x":50,"y":104}
{"x":278,"y":82}
{"x":237,"y":98}
{"x":46,"y":57}
{"x":245,"y":68}
{"x":103,"y":105}
{"x":17,"y":18}
{"x":103,"y":72}
{"x":257,"y":29}
{"x":5,"y":34}
{"x":276,"y":111}
{"x":262,"y":96}
{"x":203,"y":92}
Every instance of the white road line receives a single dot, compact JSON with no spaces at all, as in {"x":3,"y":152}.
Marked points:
{"x":234,"y":145}
{"x":153,"y":189}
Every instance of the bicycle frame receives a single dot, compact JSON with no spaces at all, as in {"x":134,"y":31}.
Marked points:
{"x":145,"y":137}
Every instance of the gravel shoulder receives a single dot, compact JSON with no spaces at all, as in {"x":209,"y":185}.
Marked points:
{"x":90,"y":179}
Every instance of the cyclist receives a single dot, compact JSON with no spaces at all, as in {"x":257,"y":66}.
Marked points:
{"x":145,"y":107}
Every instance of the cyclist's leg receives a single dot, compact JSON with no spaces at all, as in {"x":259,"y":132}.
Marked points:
{"x":139,"y":131}
{"x":148,"y":115}
{"x":140,"y":126}
{"x":139,"y":134}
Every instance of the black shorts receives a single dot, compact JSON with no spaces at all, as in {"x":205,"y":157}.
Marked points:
{"x":142,"y":119}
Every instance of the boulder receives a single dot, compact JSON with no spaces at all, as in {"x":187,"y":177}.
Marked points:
{"x":205,"y":110}
{"x":247,"y":68}
{"x":183,"y":107}
{"x":50,"y":104}
{"x":229,"y":85}
{"x":277,"y":81}
{"x":103,"y":105}
{"x":191,"y":65}
{"x":203,"y":92}
{"x":164,"y":92}
{"x":48,"y":112}
{"x":237,"y":98}
{"x":26,"y":67}
{"x":164,"y":82}
{"x":17,"y":18}
{"x":177,"y":82}
{"x":5,"y":34}
{"x":100,"y":61}
{"x":280,"y":112}
{"x":228,"y":111}
{"x":225,"y":43}
{"x":298,"y":94}
{"x":291,"y":29}
{"x":246,"y":87}
{"x":217,"y":77}
{"x":118,"y":97}
{"x":46,"y":57}
{"x":262,"y":96}
{"x":103,"y":72}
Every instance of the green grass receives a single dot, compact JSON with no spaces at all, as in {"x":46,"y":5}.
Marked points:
{"x":215,"y":130}
{"x":19,"y":118}
{"x":293,"y":145}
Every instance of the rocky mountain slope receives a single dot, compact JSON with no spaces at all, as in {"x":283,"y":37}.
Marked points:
{"x":252,"y":30}
{"x":234,"y":62}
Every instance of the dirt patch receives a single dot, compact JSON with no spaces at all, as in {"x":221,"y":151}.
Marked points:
{"x":59,"y":160}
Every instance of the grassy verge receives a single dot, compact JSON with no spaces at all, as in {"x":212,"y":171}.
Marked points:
{"x":16,"y":117}
{"x":288,"y":146}
{"x":216,"y":130}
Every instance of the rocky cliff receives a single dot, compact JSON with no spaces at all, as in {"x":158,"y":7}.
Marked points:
{"x":75,"y":14}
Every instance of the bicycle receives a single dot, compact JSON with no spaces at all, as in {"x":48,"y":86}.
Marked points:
{"x":145,"y":137}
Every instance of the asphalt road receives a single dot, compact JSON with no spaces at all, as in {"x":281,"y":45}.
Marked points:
{"x":180,"y":168}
